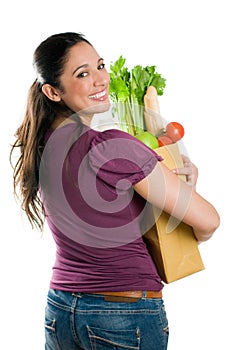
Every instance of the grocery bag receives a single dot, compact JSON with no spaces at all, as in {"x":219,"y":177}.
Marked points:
{"x":175,"y":252}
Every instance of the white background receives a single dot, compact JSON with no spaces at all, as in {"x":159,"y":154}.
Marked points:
{"x":191,"y":44}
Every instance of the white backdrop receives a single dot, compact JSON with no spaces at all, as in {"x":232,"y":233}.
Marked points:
{"x":191,"y":44}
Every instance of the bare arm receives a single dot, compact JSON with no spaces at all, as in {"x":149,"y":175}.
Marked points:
{"x":163,"y":189}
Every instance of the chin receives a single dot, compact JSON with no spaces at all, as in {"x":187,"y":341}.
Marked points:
{"x":98,"y":108}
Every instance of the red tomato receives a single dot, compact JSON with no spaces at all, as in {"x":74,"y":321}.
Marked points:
{"x":175,"y":131}
{"x":164,"y":140}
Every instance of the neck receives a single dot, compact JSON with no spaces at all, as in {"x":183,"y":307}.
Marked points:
{"x":86,"y":119}
{"x":61,"y":121}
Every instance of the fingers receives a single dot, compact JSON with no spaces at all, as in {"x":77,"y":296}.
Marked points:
{"x":189,"y":170}
{"x":186,"y":170}
{"x":185,"y":159}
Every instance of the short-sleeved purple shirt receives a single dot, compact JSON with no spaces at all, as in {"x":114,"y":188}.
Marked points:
{"x":96,"y":218}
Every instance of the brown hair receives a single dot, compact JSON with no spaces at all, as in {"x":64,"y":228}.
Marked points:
{"x":48,"y":60}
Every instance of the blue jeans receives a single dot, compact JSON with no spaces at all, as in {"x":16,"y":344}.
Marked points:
{"x":76,"y":321}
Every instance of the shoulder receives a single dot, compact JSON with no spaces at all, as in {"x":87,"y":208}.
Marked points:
{"x":121,"y":151}
{"x":112,"y":134}
{"x":120,"y":139}
{"x":118,"y":142}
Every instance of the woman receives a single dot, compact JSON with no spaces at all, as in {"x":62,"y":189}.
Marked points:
{"x":95,"y":190}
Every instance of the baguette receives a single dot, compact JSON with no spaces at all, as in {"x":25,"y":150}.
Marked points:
{"x":153,"y":119}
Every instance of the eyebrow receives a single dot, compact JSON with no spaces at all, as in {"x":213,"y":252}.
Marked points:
{"x":85,"y":65}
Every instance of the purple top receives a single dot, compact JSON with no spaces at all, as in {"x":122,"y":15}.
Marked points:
{"x":96,"y":218}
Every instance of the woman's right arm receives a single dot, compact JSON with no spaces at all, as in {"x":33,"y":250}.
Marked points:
{"x":163,"y":189}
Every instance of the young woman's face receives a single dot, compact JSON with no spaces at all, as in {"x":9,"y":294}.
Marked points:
{"x":85,"y":81}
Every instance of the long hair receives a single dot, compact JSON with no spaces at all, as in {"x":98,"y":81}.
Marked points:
{"x":48,"y":60}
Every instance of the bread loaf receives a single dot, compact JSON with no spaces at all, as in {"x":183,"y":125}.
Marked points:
{"x":153,"y":119}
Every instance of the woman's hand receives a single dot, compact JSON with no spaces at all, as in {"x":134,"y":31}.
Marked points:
{"x":189,"y":170}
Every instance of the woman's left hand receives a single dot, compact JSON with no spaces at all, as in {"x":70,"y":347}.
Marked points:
{"x":189,"y":170}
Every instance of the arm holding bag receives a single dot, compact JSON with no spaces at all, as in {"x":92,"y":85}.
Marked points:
{"x":175,"y":253}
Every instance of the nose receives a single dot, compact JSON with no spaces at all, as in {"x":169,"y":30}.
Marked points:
{"x":101,"y":78}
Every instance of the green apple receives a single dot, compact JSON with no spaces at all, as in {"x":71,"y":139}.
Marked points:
{"x":149,"y":139}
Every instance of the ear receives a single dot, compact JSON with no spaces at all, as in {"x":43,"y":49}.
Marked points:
{"x":51,"y":93}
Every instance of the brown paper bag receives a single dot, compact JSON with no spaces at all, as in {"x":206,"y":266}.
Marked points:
{"x":175,"y":254}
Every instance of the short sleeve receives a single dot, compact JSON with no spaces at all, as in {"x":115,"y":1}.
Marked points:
{"x":121,"y":160}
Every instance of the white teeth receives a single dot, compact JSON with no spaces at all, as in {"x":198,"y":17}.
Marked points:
{"x":100,"y":94}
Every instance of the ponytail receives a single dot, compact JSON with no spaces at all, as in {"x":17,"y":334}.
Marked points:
{"x":40,"y":114}
{"x":48,"y":60}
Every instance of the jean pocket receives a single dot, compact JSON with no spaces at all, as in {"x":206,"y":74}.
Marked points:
{"x":103,"y":339}
{"x":164,"y":320}
{"x":50,"y":331}
{"x":165,"y":328}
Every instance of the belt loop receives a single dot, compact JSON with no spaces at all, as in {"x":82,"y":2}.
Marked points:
{"x":77,"y":295}
{"x":144,"y":294}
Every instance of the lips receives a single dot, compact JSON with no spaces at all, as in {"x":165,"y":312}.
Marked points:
{"x":99,"y":96}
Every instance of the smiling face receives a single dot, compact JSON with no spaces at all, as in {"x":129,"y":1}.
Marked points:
{"x":85,"y":82}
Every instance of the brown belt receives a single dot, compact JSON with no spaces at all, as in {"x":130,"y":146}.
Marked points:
{"x":129,"y":296}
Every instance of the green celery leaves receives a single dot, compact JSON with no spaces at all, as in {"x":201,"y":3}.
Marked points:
{"x":127,"y":90}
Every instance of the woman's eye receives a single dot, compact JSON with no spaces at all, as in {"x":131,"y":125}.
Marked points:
{"x":101,"y":66}
{"x":82,"y":75}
